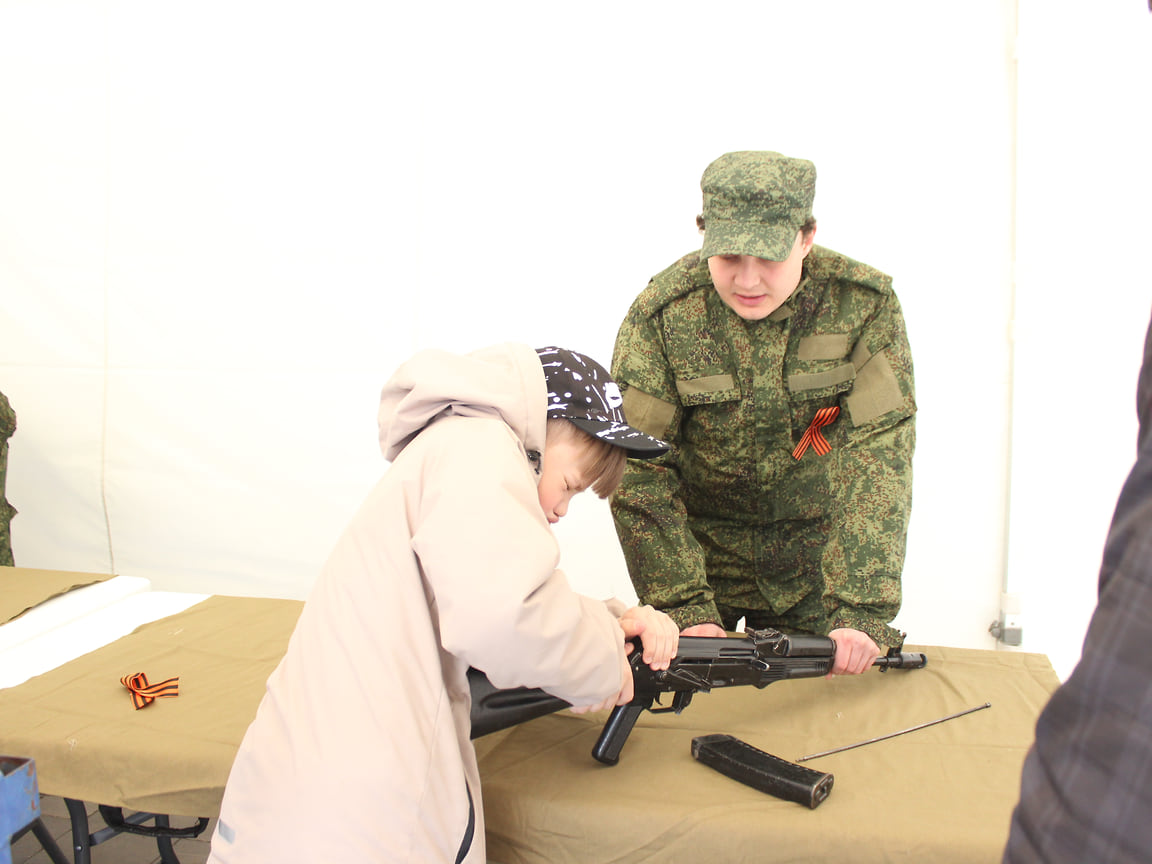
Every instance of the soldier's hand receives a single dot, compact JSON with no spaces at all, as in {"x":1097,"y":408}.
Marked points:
{"x":855,"y":652}
{"x":703,"y":630}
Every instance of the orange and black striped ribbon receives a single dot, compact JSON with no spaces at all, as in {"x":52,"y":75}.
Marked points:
{"x":813,"y":436}
{"x":144,"y":693}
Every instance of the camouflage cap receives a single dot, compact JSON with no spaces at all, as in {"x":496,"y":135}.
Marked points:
{"x":755,"y":202}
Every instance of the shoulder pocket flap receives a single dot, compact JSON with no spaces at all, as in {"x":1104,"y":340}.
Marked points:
{"x":815,"y":380}
{"x":650,"y":415}
{"x":704,"y":391}
{"x":824,"y":346}
{"x":876,"y":391}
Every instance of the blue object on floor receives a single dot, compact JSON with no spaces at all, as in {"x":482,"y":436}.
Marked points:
{"x":20,"y":808}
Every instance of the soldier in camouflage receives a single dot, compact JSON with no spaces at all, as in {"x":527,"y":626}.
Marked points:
{"x":7,"y":511}
{"x":780,"y":373}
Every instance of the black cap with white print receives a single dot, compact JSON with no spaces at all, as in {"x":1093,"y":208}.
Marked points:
{"x":581,"y":390}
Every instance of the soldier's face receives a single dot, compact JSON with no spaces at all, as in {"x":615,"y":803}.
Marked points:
{"x":754,"y":288}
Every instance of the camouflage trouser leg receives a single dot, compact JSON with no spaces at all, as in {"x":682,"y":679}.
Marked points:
{"x":7,"y":511}
{"x":771,"y":574}
{"x":6,"y":514}
{"x":807,"y":616}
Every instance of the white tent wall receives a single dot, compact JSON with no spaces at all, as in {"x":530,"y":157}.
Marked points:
{"x":223,"y":225}
{"x":1083,"y":300}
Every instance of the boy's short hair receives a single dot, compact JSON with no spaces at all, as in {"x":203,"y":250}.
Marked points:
{"x":604,"y":465}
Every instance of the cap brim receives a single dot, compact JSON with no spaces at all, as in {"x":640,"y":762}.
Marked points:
{"x":638,"y":444}
{"x":772,"y":242}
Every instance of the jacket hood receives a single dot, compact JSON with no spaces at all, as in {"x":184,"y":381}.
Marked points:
{"x":503,"y":382}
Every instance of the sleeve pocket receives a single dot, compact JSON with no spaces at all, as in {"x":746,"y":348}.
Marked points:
{"x":650,"y":415}
{"x":876,"y":391}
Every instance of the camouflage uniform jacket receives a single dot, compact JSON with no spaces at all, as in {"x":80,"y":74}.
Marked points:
{"x":730,"y":519}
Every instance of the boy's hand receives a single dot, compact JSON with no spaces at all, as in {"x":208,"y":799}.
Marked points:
{"x":627,"y":687}
{"x":621,"y":698}
{"x":658,"y":634}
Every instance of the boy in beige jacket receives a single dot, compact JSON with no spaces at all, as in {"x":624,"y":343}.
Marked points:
{"x":361,"y":750}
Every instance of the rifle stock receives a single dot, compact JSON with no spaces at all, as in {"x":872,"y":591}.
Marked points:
{"x":494,"y":709}
{"x":757,"y":659}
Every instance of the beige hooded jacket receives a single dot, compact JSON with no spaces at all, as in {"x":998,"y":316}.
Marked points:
{"x":360,"y":750}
